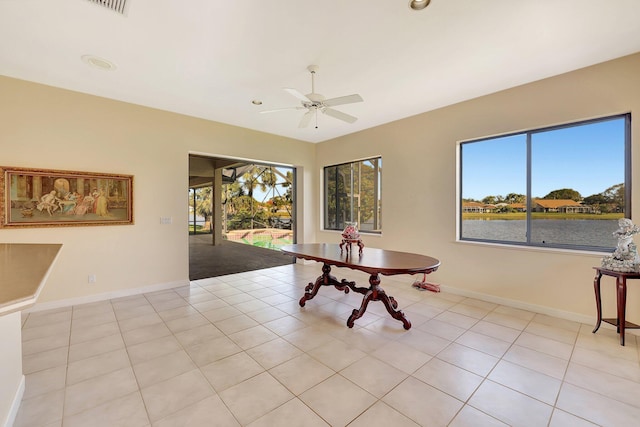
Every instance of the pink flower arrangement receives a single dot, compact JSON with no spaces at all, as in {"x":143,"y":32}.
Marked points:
{"x":350,"y":232}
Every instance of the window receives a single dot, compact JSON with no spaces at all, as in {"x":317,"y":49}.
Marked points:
{"x":562,"y":186}
{"x":352,"y":194}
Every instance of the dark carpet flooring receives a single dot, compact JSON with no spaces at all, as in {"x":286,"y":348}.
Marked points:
{"x":206,"y":260}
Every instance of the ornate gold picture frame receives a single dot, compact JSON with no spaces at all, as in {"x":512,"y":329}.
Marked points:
{"x":49,"y":198}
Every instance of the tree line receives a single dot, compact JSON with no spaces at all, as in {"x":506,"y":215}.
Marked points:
{"x":241,"y":210}
{"x":610,"y":200}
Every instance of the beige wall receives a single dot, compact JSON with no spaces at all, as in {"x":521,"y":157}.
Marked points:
{"x":419,"y":187}
{"x":45,"y":127}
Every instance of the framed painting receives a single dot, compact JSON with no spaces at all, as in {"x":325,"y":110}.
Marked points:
{"x":49,"y":198}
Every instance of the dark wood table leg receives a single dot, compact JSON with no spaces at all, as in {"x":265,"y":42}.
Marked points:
{"x":621,"y":285}
{"x":376,"y":293}
{"x":596,"y":288}
{"x":326,"y":279}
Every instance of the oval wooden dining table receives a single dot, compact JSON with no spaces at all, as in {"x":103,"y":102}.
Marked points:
{"x":372,"y":261}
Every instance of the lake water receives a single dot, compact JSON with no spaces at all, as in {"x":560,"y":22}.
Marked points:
{"x":586,"y":232}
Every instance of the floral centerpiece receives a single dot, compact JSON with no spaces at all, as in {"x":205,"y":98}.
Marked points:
{"x":351,"y":232}
{"x":350,"y":235}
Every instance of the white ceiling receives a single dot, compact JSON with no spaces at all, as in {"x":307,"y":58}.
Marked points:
{"x":211,"y":58}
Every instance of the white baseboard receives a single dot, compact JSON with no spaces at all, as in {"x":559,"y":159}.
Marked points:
{"x":106,"y":296}
{"x":567,"y":315}
{"x":15,"y":405}
{"x":561,"y":314}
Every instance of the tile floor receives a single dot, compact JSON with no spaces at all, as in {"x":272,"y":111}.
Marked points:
{"x":238,"y":350}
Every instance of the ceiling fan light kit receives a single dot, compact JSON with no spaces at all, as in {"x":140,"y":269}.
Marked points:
{"x":314,"y":102}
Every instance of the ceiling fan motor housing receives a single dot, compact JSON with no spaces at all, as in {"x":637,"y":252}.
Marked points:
{"x":316,"y":100}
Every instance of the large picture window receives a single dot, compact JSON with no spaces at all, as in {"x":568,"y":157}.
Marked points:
{"x":562,"y":186}
{"x":352,"y":194}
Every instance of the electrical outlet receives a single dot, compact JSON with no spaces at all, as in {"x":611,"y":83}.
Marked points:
{"x":165,"y":220}
{"x":91,"y":278}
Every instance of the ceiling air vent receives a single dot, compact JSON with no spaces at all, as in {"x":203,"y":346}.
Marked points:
{"x":115,"y":5}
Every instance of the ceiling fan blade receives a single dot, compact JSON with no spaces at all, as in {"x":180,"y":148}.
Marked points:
{"x":297,"y":94}
{"x":281,"y":109}
{"x":339,"y":115}
{"x":304,"y":121}
{"x":341,"y":100}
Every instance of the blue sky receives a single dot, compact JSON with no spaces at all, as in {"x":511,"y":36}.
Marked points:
{"x":587,"y":158}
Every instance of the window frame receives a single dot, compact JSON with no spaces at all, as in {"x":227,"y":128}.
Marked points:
{"x":377,"y":197}
{"x":528,"y":226}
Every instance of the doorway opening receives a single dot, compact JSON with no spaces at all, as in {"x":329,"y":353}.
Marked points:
{"x":240,"y":214}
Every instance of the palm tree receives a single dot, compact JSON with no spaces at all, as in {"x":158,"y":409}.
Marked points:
{"x":203,"y":205}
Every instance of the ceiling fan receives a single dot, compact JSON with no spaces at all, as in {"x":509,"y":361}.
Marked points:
{"x":314,"y":102}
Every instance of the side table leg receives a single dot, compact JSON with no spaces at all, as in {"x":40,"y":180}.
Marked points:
{"x":596,"y":287}
{"x":621,"y":285}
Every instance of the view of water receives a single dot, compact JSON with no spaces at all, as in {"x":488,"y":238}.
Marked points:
{"x":585,"y":232}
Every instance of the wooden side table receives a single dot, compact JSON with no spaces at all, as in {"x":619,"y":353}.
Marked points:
{"x":621,"y":296}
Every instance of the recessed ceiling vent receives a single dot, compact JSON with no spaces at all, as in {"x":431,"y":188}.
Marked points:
{"x":115,"y":5}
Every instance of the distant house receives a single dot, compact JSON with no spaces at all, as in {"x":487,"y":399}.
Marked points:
{"x":518,"y":207}
{"x":477,"y":207}
{"x":560,"y":205}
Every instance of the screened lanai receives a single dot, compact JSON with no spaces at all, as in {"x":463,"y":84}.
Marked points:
{"x":240,"y":214}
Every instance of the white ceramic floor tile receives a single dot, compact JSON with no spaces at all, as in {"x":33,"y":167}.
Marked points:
{"x":216,"y":349}
{"x":494,"y":330}
{"x":337,"y":400}
{"x":95,"y":347}
{"x":471,"y":417}
{"x":255,"y":397}
{"x":373,"y":375}
{"x":526,"y":381}
{"x":612,"y":386}
{"x":545,"y":345}
{"x":292,"y":413}
{"x":336,"y":354}
{"x":44,"y":360}
{"x":425,"y":342}
{"x":46,"y":330}
{"x":273,"y":353}
{"x":422,"y":403}
{"x":98,"y":390}
{"x":484,"y":343}
{"x":467,"y":358}
{"x":595,"y":407}
{"x":564,"y":419}
{"x":126,"y":411}
{"x":382,"y":415}
{"x":167,"y":397}
{"x":252,"y":337}
{"x":301,"y":373}
{"x":101,"y":364}
{"x":198,"y":335}
{"x":401,"y":356}
{"x":230,"y":371}
{"x":509,"y":406}
{"x":597,"y":360}
{"x":541,"y":362}
{"x":151,"y":349}
{"x":40,"y":410}
{"x":448,"y":378}
{"x":45,"y":381}
{"x":209,"y":412}
{"x":162,"y":368}
{"x":157,"y":355}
